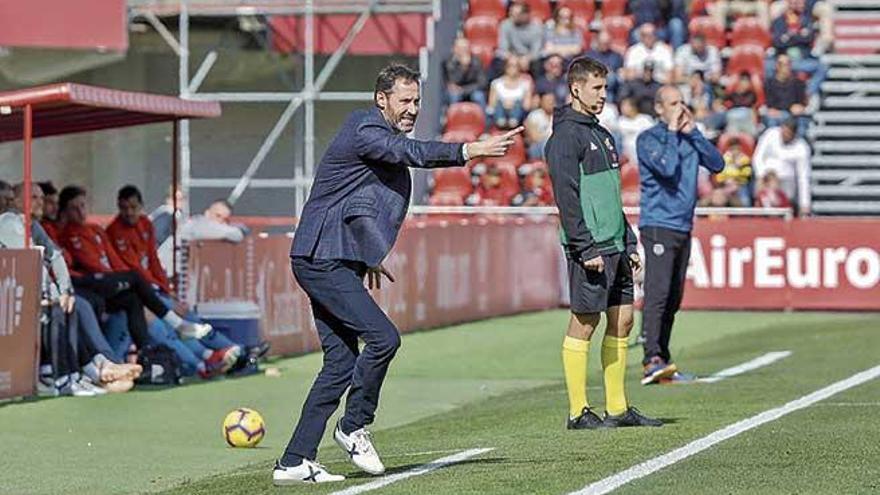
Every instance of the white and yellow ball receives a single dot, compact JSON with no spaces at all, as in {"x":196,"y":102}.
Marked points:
{"x":244,"y":428}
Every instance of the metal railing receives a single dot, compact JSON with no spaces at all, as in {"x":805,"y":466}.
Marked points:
{"x":551,"y":210}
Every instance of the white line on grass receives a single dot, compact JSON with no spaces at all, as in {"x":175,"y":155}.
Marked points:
{"x":758,"y":362}
{"x":653,"y":465}
{"x":423,"y":469}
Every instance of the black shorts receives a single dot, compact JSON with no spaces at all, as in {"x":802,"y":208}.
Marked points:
{"x":594,"y":292}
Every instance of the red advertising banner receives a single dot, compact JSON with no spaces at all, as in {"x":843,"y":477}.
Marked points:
{"x":101,"y":24}
{"x":19,"y":306}
{"x":747,"y":263}
{"x":447,"y":272}
{"x":383,"y":34}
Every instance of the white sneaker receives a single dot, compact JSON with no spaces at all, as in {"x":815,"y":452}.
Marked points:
{"x":45,"y":388}
{"x":87,"y":384}
{"x":307,"y":472}
{"x":192,"y":330}
{"x":360,"y":449}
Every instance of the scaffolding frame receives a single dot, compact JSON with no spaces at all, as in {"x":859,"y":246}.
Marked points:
{"x":313,"y":87}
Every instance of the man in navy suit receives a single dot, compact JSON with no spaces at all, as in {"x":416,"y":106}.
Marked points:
{"x":358,"y":202}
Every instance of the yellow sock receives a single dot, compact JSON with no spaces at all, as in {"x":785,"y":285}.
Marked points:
{"x":614,"y":364}
{"x":574,"y":363}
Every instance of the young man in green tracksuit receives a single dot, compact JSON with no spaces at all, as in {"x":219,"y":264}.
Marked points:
{"x":599,"y":244}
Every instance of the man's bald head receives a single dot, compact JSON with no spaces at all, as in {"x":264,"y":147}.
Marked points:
{"x":668,"y":102}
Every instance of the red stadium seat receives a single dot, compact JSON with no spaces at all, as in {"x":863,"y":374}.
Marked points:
{"x":749,"y":31}
{"x":453,"y":180}
{"x":490,"y":8}
{"x":540,"y":9}
{"x":460,"y":136}
{"x":629,"y":175}
{"x":618,"y":28}
{"x":485,"y":52}
{"x":481,"y":30}
{"x":698,"y":8}
{"x":583,"y":10}
{"x":584,"y":25}
{"x":711,"y":29}
{"x":446,"y":199}
{"x":465,"y":117}
{"x":517,"y":152}
{"x":746,"y":58}
{"x":612,"y":8}
{"x":745,"y":140}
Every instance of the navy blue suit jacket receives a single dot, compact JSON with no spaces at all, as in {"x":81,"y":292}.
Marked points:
{"x":362,"y":190}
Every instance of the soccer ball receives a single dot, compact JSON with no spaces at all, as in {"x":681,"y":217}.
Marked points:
{"x":243,"y":427}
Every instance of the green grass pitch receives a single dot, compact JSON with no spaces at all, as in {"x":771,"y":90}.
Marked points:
{"x":493,"y":384}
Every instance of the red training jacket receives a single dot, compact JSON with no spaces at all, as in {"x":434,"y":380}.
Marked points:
{"x":91,"y":249}
{"x":136,"y":245}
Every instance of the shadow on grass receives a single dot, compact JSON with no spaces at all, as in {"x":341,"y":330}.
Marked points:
{"x":427,"y":465}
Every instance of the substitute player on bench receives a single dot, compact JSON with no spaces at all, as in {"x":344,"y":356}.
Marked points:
{"x":599,"y":244}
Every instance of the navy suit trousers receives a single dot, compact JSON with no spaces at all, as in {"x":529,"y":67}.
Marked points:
{"x":344,"y":312}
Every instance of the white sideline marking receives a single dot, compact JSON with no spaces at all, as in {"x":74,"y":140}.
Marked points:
{"x":423,"y":469}
{"x":758,"y":362}
{"x":653,"y":465}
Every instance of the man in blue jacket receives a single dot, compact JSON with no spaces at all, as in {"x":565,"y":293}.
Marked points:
{"x":357,"y":204}
{"x":670,"y":154}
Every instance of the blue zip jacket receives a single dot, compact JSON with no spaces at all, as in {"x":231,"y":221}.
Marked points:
{"x":668,"y":166}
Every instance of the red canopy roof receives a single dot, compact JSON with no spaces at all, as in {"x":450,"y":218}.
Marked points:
{"x":66,"y":108}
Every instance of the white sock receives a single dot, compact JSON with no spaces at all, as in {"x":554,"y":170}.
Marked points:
{"x":172,"y":319}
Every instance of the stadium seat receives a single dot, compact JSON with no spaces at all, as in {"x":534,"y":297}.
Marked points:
{"x":488,"y":8}
{"x":584,"y":25}
{"x":540,"y":9}
{"x":618,"y":28}
{"x":757,"y":84}
{"x":517,"y":152}
{"x":446,"y":199}
{"x":453,"y":181}
{"x":611,"y":8}
{"x":581,"y":9}
{"x":629,"y":175}
{"x":466,"y":117}
{"x":481,"y":30}
{"x":710,"y":28}
{"x":746,"y":141}
{"x":746,"y":58}
{"x":485,"y":52}
{"x":460,"y":136}
{"x":749,"y":31}
{"x":697,"y":8}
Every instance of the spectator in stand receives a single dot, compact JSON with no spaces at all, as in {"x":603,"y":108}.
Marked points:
{"x":697,"y":56}
{"x":553,"y":80}
{"x":7,"y":196}
{"x":668,"y":16}
{"x":464,"y":75}
{"x":736,"y":178}
{"x":562,"y":37}
{"x":786,"y":96}
{"x":697,"y":93}
{"x":770,"y":193}
{"x":781,"y":151}
{"x":536,"y":190}
{"x":519,"y":36}
{"x":510,"y":97}
{"x":642,"y":90}
{"x":631,"y":124}
{"x":741,"y":104}
{"x":649,"y":49}
{"x":133,"y":238}
{"x":539,"y":126}
{"x":612,"y":60}
{"x":794,"y":33}
{"x":724,"y":11}
{"x":162,"y":217}
{"x":490,"y":191}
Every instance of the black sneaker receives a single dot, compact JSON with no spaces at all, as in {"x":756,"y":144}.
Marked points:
{"x":588,"y":420}
{"x":632,"y":417}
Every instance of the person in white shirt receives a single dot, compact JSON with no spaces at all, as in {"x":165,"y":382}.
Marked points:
{"x":780,"y":150}
{"x":649,"y":48}
{"x":213,"y":225}
{"x":631,"y":123}
{"x":539,"y":126}
{"x":697,"y":56}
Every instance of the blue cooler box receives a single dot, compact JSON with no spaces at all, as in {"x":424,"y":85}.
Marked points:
{"x":238,"y":320}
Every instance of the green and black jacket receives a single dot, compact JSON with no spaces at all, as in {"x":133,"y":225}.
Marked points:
{"x":585,"y":172}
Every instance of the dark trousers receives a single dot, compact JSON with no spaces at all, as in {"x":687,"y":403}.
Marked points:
{"x":344,"y":312}
{"x":666,"y":261}
{"x":123,"y":291}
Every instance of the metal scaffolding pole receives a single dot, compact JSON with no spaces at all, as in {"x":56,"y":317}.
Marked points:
{"x":183,"y":128}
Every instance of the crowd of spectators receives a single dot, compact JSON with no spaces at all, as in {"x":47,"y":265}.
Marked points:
{"x":749,"y":71}
{"x":107,"y":298}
